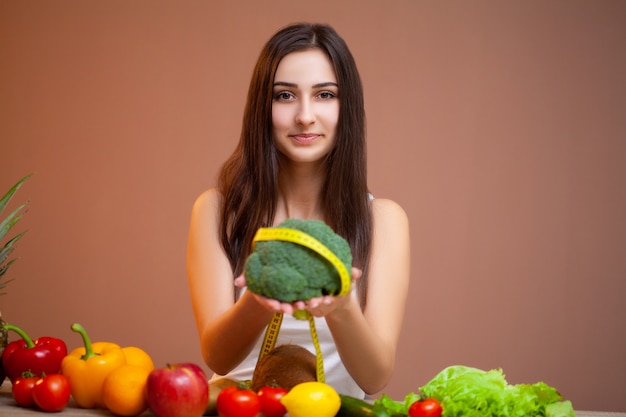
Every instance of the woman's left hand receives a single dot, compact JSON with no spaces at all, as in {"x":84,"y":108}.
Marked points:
{"x":318,"y":306}
{"x":321,"y":306}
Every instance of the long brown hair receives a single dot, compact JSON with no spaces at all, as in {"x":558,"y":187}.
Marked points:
{"x":248,"y":180}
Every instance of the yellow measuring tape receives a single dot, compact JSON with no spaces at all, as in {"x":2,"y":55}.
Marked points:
{"x":308,"y":241}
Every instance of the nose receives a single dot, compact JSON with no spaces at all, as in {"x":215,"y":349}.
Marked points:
{"x":305,"y":114}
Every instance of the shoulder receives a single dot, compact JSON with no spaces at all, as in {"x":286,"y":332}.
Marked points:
{"x":207,"y":204}
{"x":385,"y":210}
{"x":389,"y":220}
{"x":209,"y":198}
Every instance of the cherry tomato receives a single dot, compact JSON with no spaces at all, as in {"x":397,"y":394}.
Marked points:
{"x":238,"y":402}
{"x":270,"y":401}
{"x":22,"y":391}
{"x":428,"y":407}
{"x":52,"y":392}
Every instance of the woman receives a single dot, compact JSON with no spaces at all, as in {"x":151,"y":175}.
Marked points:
{"x":301,"y":154}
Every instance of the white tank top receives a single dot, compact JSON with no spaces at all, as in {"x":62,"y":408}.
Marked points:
{"x":297,"y":332}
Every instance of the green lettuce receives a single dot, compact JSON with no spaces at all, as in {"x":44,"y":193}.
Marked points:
{"x":560,"y":409}
{"x":394,"y":407}
{"x":471,"y":392}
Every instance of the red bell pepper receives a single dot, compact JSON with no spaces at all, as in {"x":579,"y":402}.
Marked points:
{"x":40,"y":356}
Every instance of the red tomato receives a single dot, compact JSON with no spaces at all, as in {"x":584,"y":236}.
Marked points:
{"x":428,"y":407}
{"x":270,"y":401}
{"x":22,"y":391}
{"x":52,"y":392}
{"x":238,"y":402}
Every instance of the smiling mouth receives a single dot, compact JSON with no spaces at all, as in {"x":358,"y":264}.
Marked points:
{"x":305,"y":138}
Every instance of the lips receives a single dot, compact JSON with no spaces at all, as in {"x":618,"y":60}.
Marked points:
{"x":305,"y":138}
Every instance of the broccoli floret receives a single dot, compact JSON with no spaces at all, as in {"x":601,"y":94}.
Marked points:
{"x":290,"y":272}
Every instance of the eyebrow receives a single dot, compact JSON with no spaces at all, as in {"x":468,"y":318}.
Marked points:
{"x":293,"y":85}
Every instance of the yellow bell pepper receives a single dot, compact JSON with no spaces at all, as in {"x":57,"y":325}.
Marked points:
{"x":86,"y":368}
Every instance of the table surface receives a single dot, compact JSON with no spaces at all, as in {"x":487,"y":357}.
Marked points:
{"x":8,"y":408}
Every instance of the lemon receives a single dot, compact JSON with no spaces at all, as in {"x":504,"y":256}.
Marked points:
{"x":312,"y":399}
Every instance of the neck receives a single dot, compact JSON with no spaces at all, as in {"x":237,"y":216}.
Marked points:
{"x":299,"y":191}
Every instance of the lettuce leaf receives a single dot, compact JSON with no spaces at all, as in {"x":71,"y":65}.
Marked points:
{"x":394,"y":407}
{"x":472,"y":392}
{"x":560,"y":409}
{"x":466,"y":391}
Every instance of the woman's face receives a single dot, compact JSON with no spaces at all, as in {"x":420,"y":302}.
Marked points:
{"x":305,"y":106}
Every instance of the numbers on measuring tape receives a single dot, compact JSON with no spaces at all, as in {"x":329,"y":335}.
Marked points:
{"x":271,"y":334}
{"x":319,"y":360}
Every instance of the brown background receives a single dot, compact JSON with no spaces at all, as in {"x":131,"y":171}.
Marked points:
{"x":499,"y":126}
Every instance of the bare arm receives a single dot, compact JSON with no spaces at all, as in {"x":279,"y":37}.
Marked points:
{"x":210,"y":278}
{"x":367,"y":341}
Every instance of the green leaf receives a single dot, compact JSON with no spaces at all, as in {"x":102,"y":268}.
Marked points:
{"x":11,"y":220}
{"x":4,"y":269}
{"x":5,"y":225}
{"x":471,"y":392}
{"x":8,"y":248}
{"x":392,"y":407}
{"x":560,"y":409}
{"x":7,"y":197}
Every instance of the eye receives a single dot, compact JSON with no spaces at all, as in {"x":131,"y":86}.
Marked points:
{"x":326,"y":95}
{"x":283,"y":96}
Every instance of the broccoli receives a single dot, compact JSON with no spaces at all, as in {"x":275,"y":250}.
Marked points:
{"x":290,"y":272}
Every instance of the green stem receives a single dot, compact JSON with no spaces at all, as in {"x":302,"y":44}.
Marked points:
{"x":28,"y":374}
{"x":22,"y":333}
{"x":86,"y":341}
{"x":300,"y":315}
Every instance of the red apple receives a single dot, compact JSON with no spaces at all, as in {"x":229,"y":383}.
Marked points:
{"x":178,"y":390}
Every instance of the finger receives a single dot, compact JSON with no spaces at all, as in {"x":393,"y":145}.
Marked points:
{"x":287,"y":309}
{"x":240,"y":281}
{"x":356,"y":273}
{"x":269,"y":303}
{"x":273,"y":305}
{"x":299,"y":305}
{"x":314,"y":302}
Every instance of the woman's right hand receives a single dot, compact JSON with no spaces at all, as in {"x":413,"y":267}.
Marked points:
{"x":271,"y":304}
{"x":276,"y":306}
